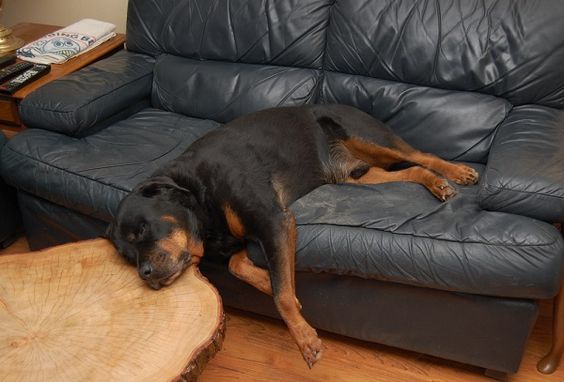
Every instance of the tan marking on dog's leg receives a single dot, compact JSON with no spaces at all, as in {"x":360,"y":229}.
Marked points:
{"x":438,"y":186}
{"x":243,"y":268}
{"x":383,"y":157}
{"x":373,"y":154}
{"x":285,"y":296}
{"x":234,"y":222}
{"x":458,"y":173}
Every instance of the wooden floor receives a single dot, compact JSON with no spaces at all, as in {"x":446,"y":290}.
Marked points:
{"x":260,"y":349}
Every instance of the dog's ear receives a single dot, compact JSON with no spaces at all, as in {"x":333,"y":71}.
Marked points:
{"x":155,"y":186}
{"x":165,"y":188}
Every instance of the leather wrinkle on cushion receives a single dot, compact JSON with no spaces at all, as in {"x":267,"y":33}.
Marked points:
{"x":78,"y":103}
{"x":282,"y":32}
{"x":526,"y":251}
{"x":399,"y":232}
{"x":186,"y":86}
{"x":73,"y":173}
{"x":496,"y":47}
{"x":455,"y":125}
{"x":525,"y":173}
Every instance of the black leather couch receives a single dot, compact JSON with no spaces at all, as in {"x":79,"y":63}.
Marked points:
{"x":475,"y":81}
{"x":10,"y":221}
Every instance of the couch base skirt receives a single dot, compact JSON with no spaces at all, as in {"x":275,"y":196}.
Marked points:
{"x":47,"y":224}
{"x":10,"y":220}
{"x":489,"y":332}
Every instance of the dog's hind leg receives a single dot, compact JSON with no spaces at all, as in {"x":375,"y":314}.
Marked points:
{"x":243,"y":268}
{"x":438,"y":186}
{"x":458,"y":173}
{"x":400,"y":151}
{"x":371,"y":141}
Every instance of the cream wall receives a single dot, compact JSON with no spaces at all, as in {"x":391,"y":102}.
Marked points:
{"x":64,"y":12}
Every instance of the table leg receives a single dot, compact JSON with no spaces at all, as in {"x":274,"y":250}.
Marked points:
{"x":550,"y":362}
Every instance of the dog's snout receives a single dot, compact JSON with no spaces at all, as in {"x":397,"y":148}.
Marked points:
{"x":145,"y":271}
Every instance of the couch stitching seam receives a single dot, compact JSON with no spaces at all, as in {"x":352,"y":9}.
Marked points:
{"x":93,"y":100}
{"x":498,"y":188}
{"x":432,"y":238}
{"x":63,"y":170}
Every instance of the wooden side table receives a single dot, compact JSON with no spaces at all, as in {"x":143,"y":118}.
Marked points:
{"x":10,"y":123}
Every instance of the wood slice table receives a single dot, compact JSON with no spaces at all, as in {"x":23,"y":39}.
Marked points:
{"x":78,"y":312}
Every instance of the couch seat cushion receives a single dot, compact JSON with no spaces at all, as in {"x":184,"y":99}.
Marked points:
{"x":399,"y":232}
{"x":92,"y":174}
{"x":395,"y":232}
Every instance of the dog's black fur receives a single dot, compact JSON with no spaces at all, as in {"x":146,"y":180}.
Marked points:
{"x":235,"y":185}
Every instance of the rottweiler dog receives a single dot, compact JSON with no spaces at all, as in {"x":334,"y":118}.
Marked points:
{"x":234,"y":186}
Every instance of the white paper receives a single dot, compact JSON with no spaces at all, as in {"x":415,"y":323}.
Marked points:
{"x":66,"y":43}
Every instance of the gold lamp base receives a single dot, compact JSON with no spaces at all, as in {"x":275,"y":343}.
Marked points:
{"x":8,"y":43}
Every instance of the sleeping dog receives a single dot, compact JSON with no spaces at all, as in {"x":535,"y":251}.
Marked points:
{"x":234,"y":185}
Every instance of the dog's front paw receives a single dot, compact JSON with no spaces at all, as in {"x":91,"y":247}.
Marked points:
{"x":463,"y":175}
{"x":312,"y":351}
{"x":309,"y":343}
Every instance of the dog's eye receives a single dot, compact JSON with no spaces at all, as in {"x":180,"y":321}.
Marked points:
{"x":138,"y":234}
{"x":130,"y":237}
{"x":141,"y":230}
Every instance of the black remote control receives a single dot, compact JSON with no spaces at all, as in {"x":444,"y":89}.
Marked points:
{"x":13,"y":70}
{"x":30,"y":75}
{"x":7,"y":60}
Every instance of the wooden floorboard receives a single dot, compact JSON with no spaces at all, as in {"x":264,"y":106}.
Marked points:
{"x":260,"y":349}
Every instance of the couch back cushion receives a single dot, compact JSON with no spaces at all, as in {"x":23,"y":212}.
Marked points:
{"x":455,"y":125}
{"x":222,"y":59}
{"x":508,"y":48}
{"x":281,"y":32}
{"x":222,"y":91}
{"x":443,"y":74}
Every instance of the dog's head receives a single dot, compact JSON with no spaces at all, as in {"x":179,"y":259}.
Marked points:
{"x":157,"y":229}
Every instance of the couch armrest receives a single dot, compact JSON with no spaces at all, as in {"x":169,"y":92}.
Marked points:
{"x":78,"y":103}
{"x":525,"y":171}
